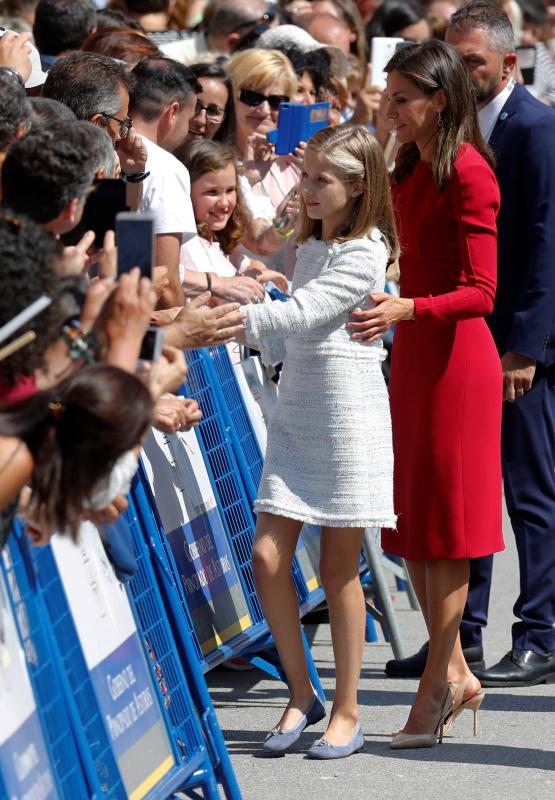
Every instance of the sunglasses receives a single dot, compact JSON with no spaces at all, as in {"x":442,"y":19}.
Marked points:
{"x":125,"y":125}
{"x":254,"y":99}
{"x":214,"y":113}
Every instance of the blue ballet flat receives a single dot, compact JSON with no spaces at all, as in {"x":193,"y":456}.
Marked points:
{"x":278,"y":741}
{"x":323,"y":750}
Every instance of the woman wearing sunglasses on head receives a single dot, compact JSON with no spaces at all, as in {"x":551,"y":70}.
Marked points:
{"x":262,"y":80}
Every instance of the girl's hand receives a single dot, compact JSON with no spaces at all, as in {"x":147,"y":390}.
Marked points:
{"x":370,"y":325}
{"x":264,"y":276}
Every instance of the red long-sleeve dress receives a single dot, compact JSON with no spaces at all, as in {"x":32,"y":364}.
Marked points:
{"x":446,"y":380}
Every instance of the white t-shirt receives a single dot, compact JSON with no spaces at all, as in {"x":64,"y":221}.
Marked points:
{"x":200,"y":255}
{"x":167,"y":193}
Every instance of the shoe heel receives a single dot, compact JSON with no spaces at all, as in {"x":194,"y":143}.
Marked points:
{"x":474,"y":705}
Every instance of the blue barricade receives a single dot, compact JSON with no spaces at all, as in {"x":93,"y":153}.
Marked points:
{"x":43,"y":667}
{"x":168,"y":728}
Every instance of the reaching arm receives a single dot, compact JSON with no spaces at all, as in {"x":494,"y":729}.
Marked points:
{"x":354,"y":269}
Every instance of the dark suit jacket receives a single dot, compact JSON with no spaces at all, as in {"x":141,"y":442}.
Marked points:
{"x":523,"y":140}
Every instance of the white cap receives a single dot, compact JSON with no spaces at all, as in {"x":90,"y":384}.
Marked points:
{"x":285,"y":36}
{"x":37,"y":76}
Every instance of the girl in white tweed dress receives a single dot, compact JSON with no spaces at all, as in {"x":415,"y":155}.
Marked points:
{"x":329,"y":457}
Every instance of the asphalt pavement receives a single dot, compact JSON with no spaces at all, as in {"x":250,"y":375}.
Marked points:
{"x":512,"y":758}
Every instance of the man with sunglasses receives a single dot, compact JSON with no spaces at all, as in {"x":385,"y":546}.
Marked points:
{"x":227,"y":23}
{"x":96,"y":88}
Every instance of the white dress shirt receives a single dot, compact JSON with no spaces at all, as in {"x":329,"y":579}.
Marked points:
{"x":489,"y":115}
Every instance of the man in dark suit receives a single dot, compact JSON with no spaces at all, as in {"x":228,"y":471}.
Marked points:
{"x":521,"y":132}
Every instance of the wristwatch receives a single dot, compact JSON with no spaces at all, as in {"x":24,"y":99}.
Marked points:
{"x":139,"y":177}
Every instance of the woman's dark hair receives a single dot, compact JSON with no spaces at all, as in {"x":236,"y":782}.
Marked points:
{"x":226,"y":131}
{"x":124,"y":44}
{"x":205,"y":156}
{"x":431,"y":66}
{"x":394,"y":15}
{"x":76,"y":432}
{"x":28,"y":256}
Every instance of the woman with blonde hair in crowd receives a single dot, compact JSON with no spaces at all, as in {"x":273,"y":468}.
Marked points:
{"x":262,"y":80}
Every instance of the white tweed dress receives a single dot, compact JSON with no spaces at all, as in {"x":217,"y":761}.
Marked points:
{"x":329,"y":457}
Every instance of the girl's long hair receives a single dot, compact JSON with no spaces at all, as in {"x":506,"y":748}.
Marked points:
{"x":432,"y":66}
{"x":355,"y":153}
{"x":205,"y":156}
{"x":75,"y":432}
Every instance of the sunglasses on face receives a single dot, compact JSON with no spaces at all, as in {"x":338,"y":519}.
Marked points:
{"x":124,"y":124}
{"x":214,"y":113}
{"x":253,"y":99}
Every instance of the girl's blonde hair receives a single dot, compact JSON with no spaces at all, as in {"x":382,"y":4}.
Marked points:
{"x":257,"y":69}
{"x":201,"y":157}
{"x":355,"y":153}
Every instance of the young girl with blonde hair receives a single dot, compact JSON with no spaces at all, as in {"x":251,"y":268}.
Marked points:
{"x":329,"y":455}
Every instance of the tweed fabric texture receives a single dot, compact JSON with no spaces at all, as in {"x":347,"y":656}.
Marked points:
{"x":329,"y":459}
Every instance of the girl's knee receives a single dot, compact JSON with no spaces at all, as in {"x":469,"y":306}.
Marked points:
{"x":334,"y":576}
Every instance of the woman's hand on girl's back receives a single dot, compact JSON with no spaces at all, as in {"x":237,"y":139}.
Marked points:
{"x":370,"y":325}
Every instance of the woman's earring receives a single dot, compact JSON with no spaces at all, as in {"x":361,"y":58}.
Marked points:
{"x":439,"y":120}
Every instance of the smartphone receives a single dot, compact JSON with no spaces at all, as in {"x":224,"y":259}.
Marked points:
{"x":106,"y":201}
{"x":526,"y":61}
{"x":151,"y":346}
{"x":383,"y":49}
{"x":135,"y":242}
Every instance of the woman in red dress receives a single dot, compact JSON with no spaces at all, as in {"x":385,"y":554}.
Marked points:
{"x":446,"y":381}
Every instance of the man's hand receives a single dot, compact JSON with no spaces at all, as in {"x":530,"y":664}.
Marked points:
{"x":518,"y":374}
{"x":15,"y":53}
{"x":370,"y":325}
{"x":76,"y":258}
{"x":107,"y":263}
{"x":132,"y":153}
{"x":167,"y":373}
{"x":172,"y":414}
{"x":196,"y":325}
{"x":368,"y":101}
{"x":240,"y":289}
{"x":125,"y":317}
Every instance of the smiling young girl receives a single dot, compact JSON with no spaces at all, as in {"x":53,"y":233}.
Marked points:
{"x":329,"y":455}
{"x":220,"y":214}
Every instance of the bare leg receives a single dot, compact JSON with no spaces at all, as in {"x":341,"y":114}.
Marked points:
{"x":339,"y":571}
{"x":457,"y":671}
{"x":446,"y":591}
{"x":273,"y":552}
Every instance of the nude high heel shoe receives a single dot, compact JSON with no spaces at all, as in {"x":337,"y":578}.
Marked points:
{"x":405,"y":741}
{"x":459,"y":705}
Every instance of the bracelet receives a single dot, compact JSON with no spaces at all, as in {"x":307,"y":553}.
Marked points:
{"x":81,"y":342}
{"x":208,"y":281}
{"x":139,"y":177}
{"x":281,"y":233}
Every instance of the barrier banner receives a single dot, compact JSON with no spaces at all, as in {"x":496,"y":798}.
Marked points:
{"x":115,"y":659}
{"x":187,"y":508}
{"x":24,"y":764}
